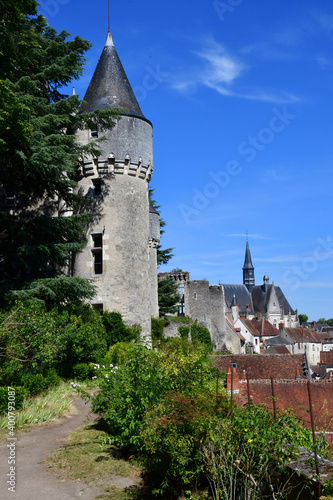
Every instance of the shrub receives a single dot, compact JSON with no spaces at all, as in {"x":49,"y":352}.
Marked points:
{"x":201,"y":334}
{"x":139,"y":382}
{"x":116,"y":330}
{"x":82,"y":371}
{"x":20,"y":393}
{"x":157,"y":328}
{"x":172,"y":439}
{"x":184,"y":332}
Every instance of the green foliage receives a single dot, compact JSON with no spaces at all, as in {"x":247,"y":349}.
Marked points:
{"x":82,"y":371}
{"x":56,"y":291}
{"x":20,"y":393}
{"x":184,"y":332}
{"x":168,"y":296}
{"x":330,"y":322}
{"x":303,"y":318}
{"x":116,"y":330}
{"x":242,"y":454}
{"x":163,"y":403}
{"x":178,"y":319}
{"x":163,"y":255}
{"x":157,"y":328}
{"x":80,"y":339}
{"x":174,"y":431}
{"x":34,"y":340}
{"x":140,"y":380}
{"x":201,"y":334}
{"x":39,"y":152}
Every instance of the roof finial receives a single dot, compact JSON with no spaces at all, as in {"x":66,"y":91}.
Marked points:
{"x":109,"y":40}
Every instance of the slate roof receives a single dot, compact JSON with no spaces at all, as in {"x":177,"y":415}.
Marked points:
{"x":109,"y":86}
{"x":260,"y":299}
{"x":243,"y":297}
{"x":278,"y":340}
{"x":248,"y":261}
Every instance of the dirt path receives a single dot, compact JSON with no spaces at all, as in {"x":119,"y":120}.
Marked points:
{"x":33,"y":481}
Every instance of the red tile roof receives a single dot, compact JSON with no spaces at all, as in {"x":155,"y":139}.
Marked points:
{"x":264,"y":366}
{"x":265,"y":328}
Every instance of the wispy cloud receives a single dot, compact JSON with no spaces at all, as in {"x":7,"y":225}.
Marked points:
{"x":282,"y":258}
{"x":251,"y":236}
{"x":316,"y":284}
{"x":271,"y":175}
{"x":220,"y":71}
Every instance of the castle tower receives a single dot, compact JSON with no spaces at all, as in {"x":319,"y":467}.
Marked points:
{"x":117,"y":256}
{"x":248,"y":269}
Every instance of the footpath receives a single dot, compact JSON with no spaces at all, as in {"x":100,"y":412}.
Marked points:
{"x":32,"y":479}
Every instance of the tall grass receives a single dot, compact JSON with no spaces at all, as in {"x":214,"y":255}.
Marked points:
{"x":42,"y":408}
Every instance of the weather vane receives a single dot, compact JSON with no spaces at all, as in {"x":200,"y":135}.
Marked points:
{"x":108,"y":15}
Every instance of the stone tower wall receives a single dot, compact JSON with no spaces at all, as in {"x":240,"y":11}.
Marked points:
{"x":197,"y":302}
{"x":121,"y":216}
{"x":218,"y":321}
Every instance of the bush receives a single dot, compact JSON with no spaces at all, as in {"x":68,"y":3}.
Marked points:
{"x":201,"y":334}
{"x":173,"y":436}
{"x":20,"y":393}
{"x":184,"y":332}
{"x":116,"y":330}
{"x":82,"y":371}
{"x":140,"y":380}
{"x":157,"y":328}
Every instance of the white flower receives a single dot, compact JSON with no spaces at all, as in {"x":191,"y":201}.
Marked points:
{"x":111,"y":366}
{"x":103,"y":366}
{"x":106,"y":376}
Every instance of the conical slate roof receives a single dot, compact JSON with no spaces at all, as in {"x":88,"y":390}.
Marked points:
{"x":248,"y":261}
{"x":109,"y":86}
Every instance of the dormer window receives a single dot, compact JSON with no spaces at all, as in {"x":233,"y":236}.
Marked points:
{"x":93,"y":134}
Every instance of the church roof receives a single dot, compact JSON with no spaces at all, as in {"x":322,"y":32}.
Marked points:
{"x":109,"y":86}
{"x":248,"y":261}
{"x":261,"y":297}
{"x":242,"y":297}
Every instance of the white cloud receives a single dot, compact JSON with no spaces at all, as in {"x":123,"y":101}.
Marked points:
{"x":316,"y":284}
{"x":251,"y":236}
{"x":271,"y":175}
{"x":219,"y":70}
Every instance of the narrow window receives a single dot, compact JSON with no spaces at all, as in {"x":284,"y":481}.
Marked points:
{"x":98,"y":307}
{"x":97,"y":187}
{"x":97,"y":252}
{"x":94,"y":134}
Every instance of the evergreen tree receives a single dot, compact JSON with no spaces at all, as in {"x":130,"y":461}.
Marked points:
{"x":163,"y":255}
{"x":40,"y":223}
{"x":168,"y":296}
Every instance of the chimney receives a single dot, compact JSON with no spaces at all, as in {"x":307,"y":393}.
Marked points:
{"x":235,"y":380}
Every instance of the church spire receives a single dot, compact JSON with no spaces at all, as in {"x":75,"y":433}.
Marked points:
{"x":248,"y":269}
{"x":109,"y":86}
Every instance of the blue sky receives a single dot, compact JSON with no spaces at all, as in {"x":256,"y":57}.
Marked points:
{"x":240,"y":93}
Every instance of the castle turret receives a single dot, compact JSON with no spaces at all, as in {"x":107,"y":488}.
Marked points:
{"x":117,"y":256}
{"x":248,"y":269}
